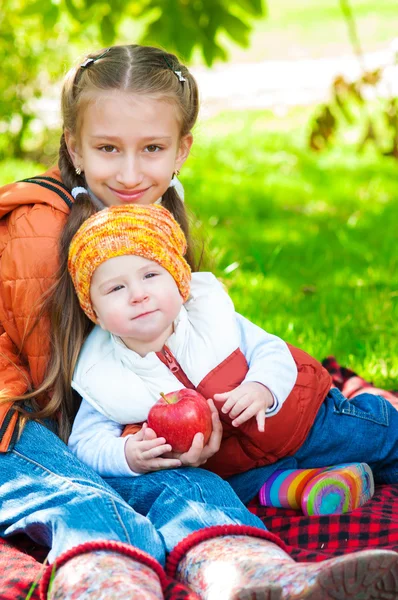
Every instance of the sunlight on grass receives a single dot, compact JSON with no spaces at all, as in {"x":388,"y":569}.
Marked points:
{"x":13,"y":170}
{"x":305,"y":243}
{"x":314,"y":236}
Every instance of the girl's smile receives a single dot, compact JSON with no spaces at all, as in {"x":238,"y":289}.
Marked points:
{"x":128,"y":147}
{"x":130,"y":196}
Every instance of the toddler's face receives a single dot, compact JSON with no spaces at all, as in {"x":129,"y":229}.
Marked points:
{"x":137,"y":300}
{"x":128,"y":147}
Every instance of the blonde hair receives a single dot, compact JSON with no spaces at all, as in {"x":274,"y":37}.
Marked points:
{"x":141,"y":70}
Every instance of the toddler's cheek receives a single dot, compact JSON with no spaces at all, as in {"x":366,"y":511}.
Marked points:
{"x":115,"y":322}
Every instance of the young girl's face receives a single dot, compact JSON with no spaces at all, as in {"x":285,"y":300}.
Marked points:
{"x":137,"y":300}
{"x":128,"y":147}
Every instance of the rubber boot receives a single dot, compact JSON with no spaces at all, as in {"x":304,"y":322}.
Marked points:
{"x":103,"y":571}
{"x":234,"y":567}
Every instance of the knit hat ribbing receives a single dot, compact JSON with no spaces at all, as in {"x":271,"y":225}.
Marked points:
{"x":147,"y":231}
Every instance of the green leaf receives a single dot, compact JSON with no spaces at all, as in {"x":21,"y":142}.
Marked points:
{"x":73,"y":10}
{"x":256,"y":8}
{"x":237,"y":29}
{"x":108,"y":32}
{"x":39,"y":7}
{"x":211,"y":51}
{"x":50,"y":17}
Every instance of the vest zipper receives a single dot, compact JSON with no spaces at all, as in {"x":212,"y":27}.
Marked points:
{"x":175,"y":368}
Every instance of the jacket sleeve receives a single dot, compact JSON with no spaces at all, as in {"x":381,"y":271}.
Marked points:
{"x":96,"y":441}
{"x":270,"y":361}
{"x":14,"y":379}
{"x":28,"y":266}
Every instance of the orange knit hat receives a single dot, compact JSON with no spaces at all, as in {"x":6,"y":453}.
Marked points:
{"x":147,"y":231}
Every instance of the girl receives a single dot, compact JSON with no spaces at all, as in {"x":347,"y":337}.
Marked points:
{"x":128,"y":114}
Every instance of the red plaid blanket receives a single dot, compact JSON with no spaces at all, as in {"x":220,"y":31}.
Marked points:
{"x":375,"y":525}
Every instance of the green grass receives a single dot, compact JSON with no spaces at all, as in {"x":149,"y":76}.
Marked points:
{"x":13,"y":170}
{"x":306,"y":243}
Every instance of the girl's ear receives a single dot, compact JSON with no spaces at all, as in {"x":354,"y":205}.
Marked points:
{"x":73,"y":148}
{"x":183,"y":150}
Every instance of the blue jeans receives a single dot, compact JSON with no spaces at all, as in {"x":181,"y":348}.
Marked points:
{"x":48,"y":494}
{"x":364,"y":429}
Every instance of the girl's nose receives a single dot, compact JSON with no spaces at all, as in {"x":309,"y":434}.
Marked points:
{"x":129,"y":174}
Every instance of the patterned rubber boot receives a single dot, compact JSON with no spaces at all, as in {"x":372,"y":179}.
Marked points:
{"x":327,"y":491}
{"x":248,"y":568}
{"x":102,"y":574}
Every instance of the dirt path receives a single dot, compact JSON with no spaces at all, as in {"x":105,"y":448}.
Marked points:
{"x":279,"y":84}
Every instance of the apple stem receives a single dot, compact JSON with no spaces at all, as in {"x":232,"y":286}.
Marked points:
{"x":164,"y":397}
{"x":170,"y":400}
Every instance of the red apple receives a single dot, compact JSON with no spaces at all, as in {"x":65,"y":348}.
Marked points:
{"x":177,"y":416}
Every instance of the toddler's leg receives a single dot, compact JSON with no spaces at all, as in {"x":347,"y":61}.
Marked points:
{"x":364,"y":429}
{"x":182,"y":501}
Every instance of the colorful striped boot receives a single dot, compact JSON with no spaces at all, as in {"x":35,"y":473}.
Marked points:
{"x":326,"y":491}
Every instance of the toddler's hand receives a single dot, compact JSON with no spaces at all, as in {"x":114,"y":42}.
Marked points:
{"x":144,"y":451}
{"x":246,"y":401}
{"x":198,"y":454}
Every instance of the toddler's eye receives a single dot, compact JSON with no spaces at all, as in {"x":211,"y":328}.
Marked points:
{"x":152,"y":148}
{"x":116,"y":288}
{"x":150,"y":275}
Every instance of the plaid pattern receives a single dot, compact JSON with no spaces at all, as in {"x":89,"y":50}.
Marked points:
{"x":18,"y":572}
{"x":374,"y":525}
{"x":350,"y":384}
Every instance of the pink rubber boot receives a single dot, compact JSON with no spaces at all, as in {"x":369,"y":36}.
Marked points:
{"x":103,"y":571}
{"x":242,"y":567}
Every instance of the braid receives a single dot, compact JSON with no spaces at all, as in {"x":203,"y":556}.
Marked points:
{"x":70,"y":326}
{"x":174,"y":204}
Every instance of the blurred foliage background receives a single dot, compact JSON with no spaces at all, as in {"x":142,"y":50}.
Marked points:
{"x":296,"y":204}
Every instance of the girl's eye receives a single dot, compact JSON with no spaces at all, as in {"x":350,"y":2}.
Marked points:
{"x":152,"y":148}
{"x":108,"y":149}
{"x":150,"y":275}
{"x":116,"y":288}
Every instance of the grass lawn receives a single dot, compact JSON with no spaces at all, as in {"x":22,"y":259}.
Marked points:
{"x":307,"y":244}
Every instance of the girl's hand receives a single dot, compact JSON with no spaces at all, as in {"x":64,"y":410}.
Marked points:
{"x":246,"y":401}
{"x":198,"y":454}
{"x":144,"y":451}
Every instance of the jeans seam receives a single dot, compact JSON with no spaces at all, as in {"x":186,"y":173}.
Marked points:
{"x":107,"y":499}
{"x":66,"y":479}
{"x":358,"y":414}
{"x":118,"y":517}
